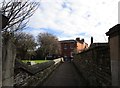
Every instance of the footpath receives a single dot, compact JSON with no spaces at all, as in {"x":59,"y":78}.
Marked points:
{"x":65,"y":75}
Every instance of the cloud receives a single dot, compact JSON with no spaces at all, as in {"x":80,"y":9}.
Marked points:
{"x":69,"y":18}
{"x":34,"y":31}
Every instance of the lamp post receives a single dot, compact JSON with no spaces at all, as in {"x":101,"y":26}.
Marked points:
{"x":3,"y":23}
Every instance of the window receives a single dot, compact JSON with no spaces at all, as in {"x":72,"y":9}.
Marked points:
{"x":72,"y":54}
{"x":65,"y":46}
{"x":71,"y":46}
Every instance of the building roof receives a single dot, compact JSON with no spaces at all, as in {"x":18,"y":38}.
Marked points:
{"x":67,"y":41}
{"x":72,"y":41}
{"x":80,"y":41}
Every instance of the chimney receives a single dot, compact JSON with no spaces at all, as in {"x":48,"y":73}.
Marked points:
{"x":82,"y":40}
{"x":91,"y":40}
{"x":78,"y":39}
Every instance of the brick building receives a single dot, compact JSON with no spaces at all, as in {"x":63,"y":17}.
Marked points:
{"x":81,"y":45}
{"x":69,"y":47}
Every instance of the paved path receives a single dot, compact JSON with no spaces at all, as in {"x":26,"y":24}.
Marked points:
{"x":65,"y":75}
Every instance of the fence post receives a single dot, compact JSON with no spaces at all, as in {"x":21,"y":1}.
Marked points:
{"x":114,"y":42}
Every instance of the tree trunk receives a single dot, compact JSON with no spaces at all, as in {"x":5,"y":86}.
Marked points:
{"x":8,"y":59}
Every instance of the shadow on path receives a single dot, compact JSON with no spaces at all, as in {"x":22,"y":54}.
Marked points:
{"x":65,"y":75}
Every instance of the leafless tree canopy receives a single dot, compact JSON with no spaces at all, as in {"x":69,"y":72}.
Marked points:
{"x":25,"y":44}
{"x":48,"y":43}
{"x":18,"y":12}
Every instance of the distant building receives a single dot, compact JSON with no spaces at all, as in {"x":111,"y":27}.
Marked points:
{"x":69,"y":47}
{"x":81,"y":45}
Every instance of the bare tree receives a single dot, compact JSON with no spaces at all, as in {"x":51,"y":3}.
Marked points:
{"x":49,"y":44}
{"x":25,"y":45}
{"x":18,"y":13}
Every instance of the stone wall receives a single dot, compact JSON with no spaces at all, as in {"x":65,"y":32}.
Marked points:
{"x":94,"y":64}
{"x":114,"y":41}
{"x":8,"y":59}
{"x":34,"y":75}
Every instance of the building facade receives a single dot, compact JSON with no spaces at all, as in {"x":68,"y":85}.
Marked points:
{"x":70,"y":47}
{"x":67,"y":48}
{"x":81,"y":45}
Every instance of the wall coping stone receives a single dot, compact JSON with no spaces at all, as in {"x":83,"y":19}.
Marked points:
{"x":115,"y":30}
{"x":33,"y":69}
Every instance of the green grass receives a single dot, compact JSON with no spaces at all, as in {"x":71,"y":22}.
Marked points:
{"x":36,"y":61}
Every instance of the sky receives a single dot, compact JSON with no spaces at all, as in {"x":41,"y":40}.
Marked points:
{"x":68,"y":19}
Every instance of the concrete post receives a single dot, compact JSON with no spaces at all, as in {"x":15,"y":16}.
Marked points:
{"x":114,"y":41}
